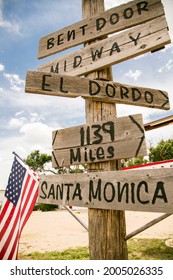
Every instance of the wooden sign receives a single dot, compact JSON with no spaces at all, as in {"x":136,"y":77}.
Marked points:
{"x":112,"y":20}
{"x":127,"y":44}
{"x":116,"y":138}
{"x":139,"y":190}
{"x":67,"y":86}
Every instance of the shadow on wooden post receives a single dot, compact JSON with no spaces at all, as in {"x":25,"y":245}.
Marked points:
{"x":107,"y":228}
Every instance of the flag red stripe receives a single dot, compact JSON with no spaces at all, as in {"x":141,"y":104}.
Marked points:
{"x":30,"y":208}
{"x":6,"y":245}
{"x":16,"y":243}
{"x":4,"y":209}
{"x":28,"y":196}
{"x":31,"y":205}
{"x":7,"y":223}
{"x":26,"y":203}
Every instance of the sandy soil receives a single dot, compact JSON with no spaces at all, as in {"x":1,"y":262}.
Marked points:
{"x":59,"y":230}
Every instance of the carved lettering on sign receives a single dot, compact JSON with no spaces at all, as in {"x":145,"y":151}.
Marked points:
{"x":113,"y":139}
{"x":110,"y":21}
{"x":138,"y":190}
{"x":147,"y":37}
{"x":67,"y":86}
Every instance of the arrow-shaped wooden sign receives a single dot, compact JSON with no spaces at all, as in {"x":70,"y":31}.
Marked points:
{"x":127,"y":44}
{"x":137,"y":190}
{"x":67,"y":86}
{"x":110,"y":21}
{"x":103,"y":141}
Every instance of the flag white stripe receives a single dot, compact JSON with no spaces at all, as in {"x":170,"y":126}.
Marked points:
{"x":10,"y":206}
{"x":10,"y":245}
{"x":29,"y":202}
{"x":24,"y":200}
{"x":8,"y":230}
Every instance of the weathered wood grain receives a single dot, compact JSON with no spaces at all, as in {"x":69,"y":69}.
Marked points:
{"x":67,"y":86}
{"x":108,"y":131}
{"x":110,"y":21}
{"x":108,"y":226}
{"x":127,"y":44}
{"x":105,"y":152}
{"x":103,"y":141}
{"x":137,"y":190}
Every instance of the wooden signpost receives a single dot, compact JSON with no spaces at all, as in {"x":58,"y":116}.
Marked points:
{"x":67,"y":86}
{"x":128,"y":44}
{"x":98,"y":142}
{"x":105,"y":138}
{"x":138,"y":190}
{"x":110,"y":21}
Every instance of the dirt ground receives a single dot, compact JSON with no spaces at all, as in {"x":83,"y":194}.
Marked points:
{"x":59,"y":230}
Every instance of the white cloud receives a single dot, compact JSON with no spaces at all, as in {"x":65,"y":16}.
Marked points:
{"x":37,"y":133}
{"x":22,"y":119}
{"x":34,"y":117}
{"x":156,"y":135}
{"x":16,"y":123}
{"x":16,"y":84}
{"x":10,"y":26}
{"x":31,"y":136}
{"x":112,"y":3}
{"x":133,"y":75}
{"x":2,"y":67}
{"x":167,"y":67}
{"x":19,"y":113}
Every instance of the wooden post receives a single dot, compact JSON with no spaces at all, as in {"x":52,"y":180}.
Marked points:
{"x":107,"y":228}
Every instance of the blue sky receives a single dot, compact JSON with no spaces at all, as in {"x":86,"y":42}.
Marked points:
{"x":27,"y":120}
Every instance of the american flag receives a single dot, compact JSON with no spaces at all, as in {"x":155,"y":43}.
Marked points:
{"x":20,"y":197}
